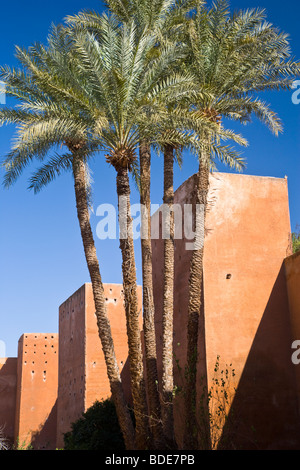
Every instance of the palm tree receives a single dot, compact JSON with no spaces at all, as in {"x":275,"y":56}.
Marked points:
{"x":131,"y":85}
{"x":158,"y":18}
{"x":161,"y":18}
{"x":120,"y":76}
{"x":153,"y":16}
{"x":141,"y":122}
{"x":233,"y":57}
{"x":53,"y":112}
{"x":193,"y":125}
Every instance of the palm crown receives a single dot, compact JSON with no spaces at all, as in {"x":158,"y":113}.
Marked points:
{"x":233,"y":57}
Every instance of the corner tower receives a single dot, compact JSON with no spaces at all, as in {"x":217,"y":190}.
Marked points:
{"x":82,"y":370}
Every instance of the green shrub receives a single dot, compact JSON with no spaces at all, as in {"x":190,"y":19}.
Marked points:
{"x":296,"y":240}
{"x":97,"y":429}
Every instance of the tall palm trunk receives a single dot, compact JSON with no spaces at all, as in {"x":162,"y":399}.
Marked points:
{"x":143,"y":440}
{"x":168,"y":300}
{"x":104,"y":329}
{"x":148,"y":301}
{"x":194,"y":306}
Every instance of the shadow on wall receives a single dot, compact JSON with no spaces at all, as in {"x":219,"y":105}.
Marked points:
{"x":125,"y":378}
{"x":8,"y":384}
{"x":43,"y":438}
{"x":264,"y":412}
{"x":181,"y":373}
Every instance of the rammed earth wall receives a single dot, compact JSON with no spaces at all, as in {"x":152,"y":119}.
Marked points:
{"x":245,"y":312}
{"x":249,"y":319}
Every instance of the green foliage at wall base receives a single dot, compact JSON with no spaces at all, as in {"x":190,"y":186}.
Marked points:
{"x":296,"y":240}
{"x":97,"y":429}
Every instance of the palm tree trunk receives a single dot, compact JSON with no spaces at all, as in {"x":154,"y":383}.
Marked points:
{"x":104,"y":328}
{"x":148,"y":301}
{"x":168,"y":301}
{"x":194,"y":306}
{"x":143,"y":440}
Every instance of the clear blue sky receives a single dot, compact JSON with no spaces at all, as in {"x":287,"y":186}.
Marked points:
{"x":41,"y":254}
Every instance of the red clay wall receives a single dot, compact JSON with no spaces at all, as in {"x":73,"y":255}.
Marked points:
{"x":249,"y":319}
{"x":82,"y":371}
{"x":71,"y":378}
{"x":96,"y":375}
{"x":246,"y":319}
{"x":8,"y":388}
{"x":37,"y":390}
{"x":292,"y":271}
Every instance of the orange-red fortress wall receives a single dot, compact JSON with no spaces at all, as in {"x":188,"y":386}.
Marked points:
{"x":37,"y":390}
{"x":292,"y":271}
{"x":53,"y":381}
{"x":245,"y":314}
{"x":250,"y":318}
{"x":82,"y":371}
{"x":8,"y":389}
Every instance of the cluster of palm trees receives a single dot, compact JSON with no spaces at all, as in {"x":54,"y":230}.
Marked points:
{"x":143,"y":75}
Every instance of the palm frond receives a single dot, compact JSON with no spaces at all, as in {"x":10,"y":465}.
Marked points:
{"x":14,"y":165}
{"x":49,"y":171}
{"x":228,"y":156}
